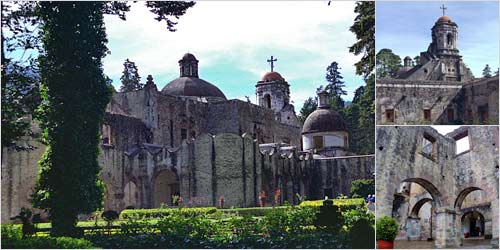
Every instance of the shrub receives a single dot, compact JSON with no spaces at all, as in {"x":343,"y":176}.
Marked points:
{"x":387,"y":228}
{"x":47,"y":243}
{"x":164,"y":212}
{"x":354,"y":215}
{"x":362,"y":187}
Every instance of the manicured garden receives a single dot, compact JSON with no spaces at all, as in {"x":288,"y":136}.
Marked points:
{"x":342,"y":223}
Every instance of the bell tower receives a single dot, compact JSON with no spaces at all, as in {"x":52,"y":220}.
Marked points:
{"x":444,"y":37}
{"x":272,"y":90}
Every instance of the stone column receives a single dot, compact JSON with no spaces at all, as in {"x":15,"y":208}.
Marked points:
{"x":446,"y":228}
{"x":413,"y":228}
{"x":494,"y":223}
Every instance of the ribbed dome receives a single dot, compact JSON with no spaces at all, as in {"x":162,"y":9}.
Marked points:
{"x":189,"y":57}
{"x":271,"y":77}
{"x":324,"y":120}
{"x":444,"y":19}
{"x":192,"y":86}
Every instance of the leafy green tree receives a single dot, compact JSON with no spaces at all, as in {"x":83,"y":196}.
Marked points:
{"x":75,"y":93}
{"x":364,"y":29}
{"x":416,"y":60}
{"x":362,"y":188}
{"x":388,"y":63}
{"x":20,"y":83}
{"x":487,"y":71}
{"x":130,"y":78}
{"x":309,"y":106}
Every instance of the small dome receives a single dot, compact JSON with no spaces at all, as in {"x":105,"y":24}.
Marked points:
{"x":444,"y":19}
{"x":271,"y":77}
{"x":188,"y":57}
{"x":407,"y":58}
{"x":192,"y":86}
{"x":324,"y":120}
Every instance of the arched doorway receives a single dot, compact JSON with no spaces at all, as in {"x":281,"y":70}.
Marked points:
{"x":422,"y":215}
{"x":166,"y":185}
{"x":473,"y":225}
{"x":414,"y":207}
{"x":130,"y":195}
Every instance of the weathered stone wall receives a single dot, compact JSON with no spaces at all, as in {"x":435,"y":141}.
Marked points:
{"x":472,"y":102}
{"x":446,"y":176}
{"x":19,"y":174}
{"x":408,"y":99}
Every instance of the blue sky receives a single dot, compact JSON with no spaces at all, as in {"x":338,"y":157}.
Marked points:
{"x":405,"y":27}
{"x":232,"y":41}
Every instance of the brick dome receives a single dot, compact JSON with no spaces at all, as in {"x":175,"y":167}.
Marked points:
{"x":271,"y":77}
{"x":444,"y":19}
{"x":324,"y":120}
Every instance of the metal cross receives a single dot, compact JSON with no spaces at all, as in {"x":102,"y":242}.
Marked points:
{"x":443,"y":8}
{"x":272,"y":60}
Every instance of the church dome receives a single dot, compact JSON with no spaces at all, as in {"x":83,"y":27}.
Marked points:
{"x":192,"y":86}
{"x":324,"y":120}
{"x":271,"y":77}
{"x":189,"y":84}
{"x":189,"y":57}
{"x":444,"y":19}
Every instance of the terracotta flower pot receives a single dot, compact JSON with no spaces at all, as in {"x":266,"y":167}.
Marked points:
{"x":384,"y":244}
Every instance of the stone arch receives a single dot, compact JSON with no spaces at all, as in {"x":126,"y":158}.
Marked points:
{"x":416,"y":208}
{"x":130,"y":195}
{"x":469,"y":223}
{"x":165,"y":185}
{"x":429,"y":187}
{"x":267,"y":101}
{"x":461,"y":196}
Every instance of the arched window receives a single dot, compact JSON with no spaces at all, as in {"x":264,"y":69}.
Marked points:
{"x":267,"y":101}
{"x":449,"y":39}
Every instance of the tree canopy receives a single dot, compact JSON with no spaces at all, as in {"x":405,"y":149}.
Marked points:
{"x":364,"y":29}
{"x":388,"y":63}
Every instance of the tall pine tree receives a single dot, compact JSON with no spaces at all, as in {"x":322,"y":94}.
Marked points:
{"x":487,"y":71}
{"x":335,"y":86}
{"x":130,"y":78}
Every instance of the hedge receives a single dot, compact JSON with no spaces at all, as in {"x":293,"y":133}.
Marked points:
{"x":343,"y":204}
{"x":12,"y":239}
{"x":163,"y":212}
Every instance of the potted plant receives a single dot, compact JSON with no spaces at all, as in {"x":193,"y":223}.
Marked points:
{"x":387,"y":229}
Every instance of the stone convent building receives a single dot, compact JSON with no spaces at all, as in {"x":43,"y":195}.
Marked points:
{"x":439,"y":187}
{"x":188,"y":139}
{"x":438,"y":89}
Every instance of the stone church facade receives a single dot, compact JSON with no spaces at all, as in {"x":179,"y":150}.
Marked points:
{"x":439,"y":88}
{"x":189,"y":140}
{"x":435,"y":192}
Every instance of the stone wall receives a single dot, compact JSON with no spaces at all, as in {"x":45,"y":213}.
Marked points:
{"x":448,"y":178}
{"x":19,"y":174}
{"x":473,"y":102}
